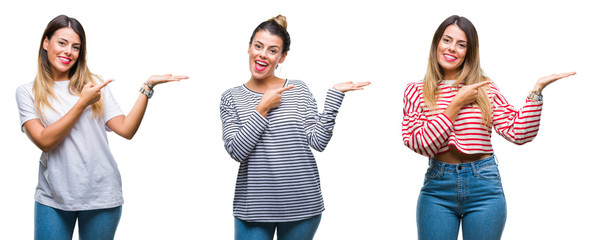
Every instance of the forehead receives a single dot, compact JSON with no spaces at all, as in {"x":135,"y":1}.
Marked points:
{"x":455,"y":32}
{"x":268,"y":39}
{"x":68,"y":34}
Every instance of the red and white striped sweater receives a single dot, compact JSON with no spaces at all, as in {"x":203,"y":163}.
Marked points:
{"x":430,"y":133}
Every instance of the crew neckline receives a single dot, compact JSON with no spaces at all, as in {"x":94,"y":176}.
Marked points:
{"x":245,"y":87}
{"x":62,"y":83}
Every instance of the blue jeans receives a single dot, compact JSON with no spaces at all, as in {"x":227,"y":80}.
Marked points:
{"x":55,"y":224}
{"x":467,"y":193}
{"x":298,"y":230}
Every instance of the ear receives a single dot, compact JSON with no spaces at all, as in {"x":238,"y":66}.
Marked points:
{"x":283,"y":57}
{"x":45,"y":43}
{"x":249,"y":48}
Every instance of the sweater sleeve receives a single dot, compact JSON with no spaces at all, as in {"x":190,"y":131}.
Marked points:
{"x":240,"y":136}
{"x":421,"y":135}
{"x":517,"y":126}
{"x":319,"y":127}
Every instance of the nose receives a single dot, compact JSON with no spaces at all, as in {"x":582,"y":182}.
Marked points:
{"x":452,"y":47}
{"x":68,"y":50}
{"x":263,"y":54}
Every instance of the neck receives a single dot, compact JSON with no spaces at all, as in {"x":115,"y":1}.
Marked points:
{"x":61,"y":76}
{"x":450,"y":75}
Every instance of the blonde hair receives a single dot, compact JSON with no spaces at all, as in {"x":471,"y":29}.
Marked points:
{"x":470,"y":71}
{"x":281,"y":20}
{"x":79,"y":74}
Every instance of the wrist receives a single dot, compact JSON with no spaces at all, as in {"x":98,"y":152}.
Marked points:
{"x":261,"y":110}
{"x":146,"y":89}
{"x":538,"y":87}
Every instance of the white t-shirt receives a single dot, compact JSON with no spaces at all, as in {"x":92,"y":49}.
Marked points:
{"x":80,"y":173}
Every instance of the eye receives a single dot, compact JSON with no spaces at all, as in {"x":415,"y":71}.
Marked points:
{"x":61,"y":43}
{"x":446,"y":40}
{"x":273,"y":51}
{"x":77,"y":48}
{"x":257,"y":46}
{"x":462,"y":45}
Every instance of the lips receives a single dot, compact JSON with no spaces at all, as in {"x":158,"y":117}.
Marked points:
{"x":260,"y":65}
{"x":65,"y":60}
{"x":449,"y":57}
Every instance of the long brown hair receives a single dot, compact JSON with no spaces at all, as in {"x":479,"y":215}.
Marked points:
{"x":470,"y":70}
{"x":79,"y":74}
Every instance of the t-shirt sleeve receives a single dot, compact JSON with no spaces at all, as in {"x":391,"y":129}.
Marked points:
{"x":26,"y":105}
{"x":110,"y":107}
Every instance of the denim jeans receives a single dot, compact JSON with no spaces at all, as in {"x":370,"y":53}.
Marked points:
{"x":467,"y":193}
{"x":55,"y":224}
{"x":298,"y":230}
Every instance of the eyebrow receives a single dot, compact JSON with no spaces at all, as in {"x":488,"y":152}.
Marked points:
{"x":453,"y":38}
{"x":69,"y":41}
{"x":270,"y":46}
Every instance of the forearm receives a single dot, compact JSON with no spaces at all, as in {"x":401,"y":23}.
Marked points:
{"x":321,"y":126}
{"x":127,"y":126}
{"x":239,"y":141}
{"x":47,"y":138}
{"x":424,"y":136}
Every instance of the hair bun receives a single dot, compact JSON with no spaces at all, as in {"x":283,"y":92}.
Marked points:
{"x":281,"y":20}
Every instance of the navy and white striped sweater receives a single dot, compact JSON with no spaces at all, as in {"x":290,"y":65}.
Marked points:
{"x":278,"y":179}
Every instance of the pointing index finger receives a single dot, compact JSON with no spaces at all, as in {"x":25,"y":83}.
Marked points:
{"x":285,"y":88}
{"x":481,"y":84}
{"x":102,"y":85}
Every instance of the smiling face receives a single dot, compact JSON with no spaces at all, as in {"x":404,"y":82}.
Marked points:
{"x":451,"y":52}
{"x":265,"y":53}
{"x":62,"y":49}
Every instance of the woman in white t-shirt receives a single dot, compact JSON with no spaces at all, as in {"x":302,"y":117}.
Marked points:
{"x":66,"y":112}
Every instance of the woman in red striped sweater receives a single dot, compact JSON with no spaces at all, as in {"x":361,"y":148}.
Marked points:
{"x":448,"y":117}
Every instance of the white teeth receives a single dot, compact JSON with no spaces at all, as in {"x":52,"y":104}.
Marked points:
{"x":261,"y":63}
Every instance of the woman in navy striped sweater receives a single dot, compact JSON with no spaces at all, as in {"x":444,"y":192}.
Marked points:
{"x":268,"y":125}
{"x":448,"y":117}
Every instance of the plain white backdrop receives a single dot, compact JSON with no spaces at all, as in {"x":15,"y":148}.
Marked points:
{"x":178,"y":181}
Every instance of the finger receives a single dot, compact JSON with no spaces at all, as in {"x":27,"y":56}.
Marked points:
{"x":481,"y":84}
{"x":102,"y":85}
{"x":567,"y":74}
{"x":281,"y":90}
{"x":362,"y":84}
{"x":178,"y":77}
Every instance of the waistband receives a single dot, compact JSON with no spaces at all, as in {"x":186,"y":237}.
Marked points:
{"x":463,"y":167}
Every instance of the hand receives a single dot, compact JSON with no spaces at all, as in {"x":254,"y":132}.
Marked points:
{"x":350,"y":86}
{"x":91,"y":93}
{"x":158,"y":79}
{"x":468,"y":94}
{"x":271,"y":99}
{"x":544,"y":81}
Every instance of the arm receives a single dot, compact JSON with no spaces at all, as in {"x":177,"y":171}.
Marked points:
{"x":47,"y":138}
{"x":240,"y":139}
{"x":517,"y":126}
{"x":521,"y":126}
{"x":127,"y":126}
{"x":319,"y":127}
{"x":421,"y":135}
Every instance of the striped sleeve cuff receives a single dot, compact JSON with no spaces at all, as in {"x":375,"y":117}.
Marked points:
{"x":334,"y":99}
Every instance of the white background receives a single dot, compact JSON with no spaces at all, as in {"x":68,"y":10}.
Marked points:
{"x":178,"y":179}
